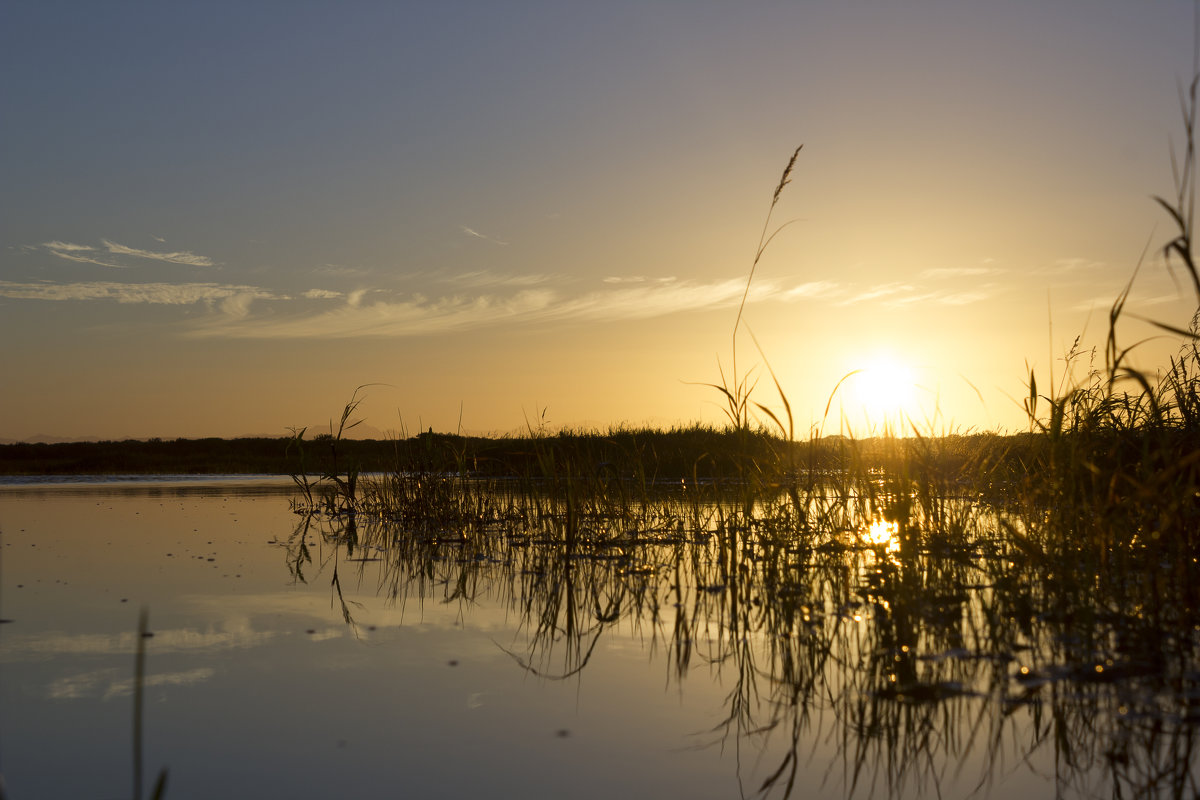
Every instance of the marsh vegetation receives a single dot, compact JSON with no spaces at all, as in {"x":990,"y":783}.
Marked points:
{"x":903,"y":615}
{"x":929,"y":603}
{"x":946,"y":610}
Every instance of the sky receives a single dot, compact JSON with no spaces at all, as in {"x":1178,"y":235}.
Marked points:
{"x":222,"y":218}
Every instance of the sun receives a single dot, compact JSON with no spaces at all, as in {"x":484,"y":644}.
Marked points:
{"x":881,"y":395}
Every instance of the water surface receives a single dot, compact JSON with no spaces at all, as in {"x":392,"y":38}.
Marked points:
{"x":257,"y":686}
{"x":294,"y":657}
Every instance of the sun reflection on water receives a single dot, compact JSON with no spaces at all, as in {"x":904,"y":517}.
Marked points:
{"x":884,"y":535}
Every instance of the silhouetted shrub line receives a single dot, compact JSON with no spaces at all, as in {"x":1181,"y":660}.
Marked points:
{"x":663,"y":455}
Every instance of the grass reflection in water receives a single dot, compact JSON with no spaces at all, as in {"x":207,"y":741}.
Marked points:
{"x":933,"y":640}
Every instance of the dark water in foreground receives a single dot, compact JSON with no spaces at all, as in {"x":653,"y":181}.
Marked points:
{"x":300,"y":660}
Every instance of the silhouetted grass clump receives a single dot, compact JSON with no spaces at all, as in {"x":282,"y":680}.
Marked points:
{"x":1110,"y":480}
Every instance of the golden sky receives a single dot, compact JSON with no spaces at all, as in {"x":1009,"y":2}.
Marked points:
{"x":219,"y":219}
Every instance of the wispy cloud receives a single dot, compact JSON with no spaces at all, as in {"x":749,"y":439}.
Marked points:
{"x":619,"y":279}
{"x":477,"y":300}
{"x":906,"y":294}
{"x":94,"y":255}
{"x":237,"y":305}
{"x":660,"y":298}
{"x":179,"y":257}
{"x":812,"y":290}
{"x":1134,"y":301}
{"x":154,"y":293}
{"x":483,"y":277}
{"x":477,"y":235}
{"x":78,"y":252}
{"x":67,"y":247}
{"x":418,"y":315}
{"x":409,"y":317}
{"x":878,"y":292}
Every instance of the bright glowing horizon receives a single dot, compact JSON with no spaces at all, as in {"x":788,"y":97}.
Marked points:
{"x":219,"y":221}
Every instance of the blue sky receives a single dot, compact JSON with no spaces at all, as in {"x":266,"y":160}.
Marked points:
{"x":220,"y":218}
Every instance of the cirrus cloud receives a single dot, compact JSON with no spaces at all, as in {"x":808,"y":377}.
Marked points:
{"x":154,"y":293}
{"x":471,"y":301}
{"x":179,"y":257}
{"x":112,"y":252}
{"x":416,"y":314}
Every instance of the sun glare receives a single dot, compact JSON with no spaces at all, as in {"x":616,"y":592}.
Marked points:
{"x":881,"y":395}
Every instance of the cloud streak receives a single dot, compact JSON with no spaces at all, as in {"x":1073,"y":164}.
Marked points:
{"x":481,"y":278}
{"x":180,"y":257}
{"x":77,"y":252}
{"x":474,"y":234}
{"x":153,"y":293}
{"x":879,"y":292}
{"x":470,"y":301}
{"x":323,"y":294}
{"x":904,"y":294}
{"x":66,"y":246}
{"x":86,"y":254}
{"x":812,"y":290}
{"x":417,"y":315}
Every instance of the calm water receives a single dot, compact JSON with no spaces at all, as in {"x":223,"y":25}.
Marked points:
{"x":284,"y":663}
